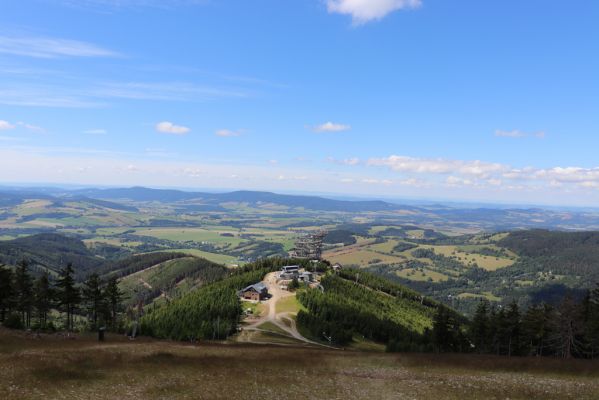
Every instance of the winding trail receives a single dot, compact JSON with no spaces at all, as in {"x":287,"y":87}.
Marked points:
{"x":275,"y":318}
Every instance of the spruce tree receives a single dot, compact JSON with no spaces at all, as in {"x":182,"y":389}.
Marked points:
{"x":23,"y":286}
{"x":68,"y":295}
{"x":114,"y":298}
{"x":441,"y":332}
{"x":93,"y":298}
{"x":567,"y":328}
{"x":480,"y":328}
{"x":513,"y":329}
{"x":536,"y":329}
{"x":592,"y":323}
{"x":44,"y":295}
{"x":6,"y":291}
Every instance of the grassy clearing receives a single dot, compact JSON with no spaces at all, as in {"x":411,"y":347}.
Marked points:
{"x":421,"y":276}
{"x":360,"y":256}
{"x":489,"y":263}
{"x":256,"y":308}
{"x":484,"y":295}
{"x":214,"y":257}
{"x":269,"y":326}
{"x":290,"y":305}
{"x":82,"y":368}
{"x":193,"y":234}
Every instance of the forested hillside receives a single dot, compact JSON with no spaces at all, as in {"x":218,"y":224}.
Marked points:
{"x":210,"y":312}
{"x":358,"y":303}
{"x":50,"y":252}
{"x":169,"y":279}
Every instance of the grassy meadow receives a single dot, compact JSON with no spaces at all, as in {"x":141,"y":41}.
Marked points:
{"x":52,"y":367}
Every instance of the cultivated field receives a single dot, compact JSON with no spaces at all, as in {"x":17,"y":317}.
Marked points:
{"x":81,"y":368}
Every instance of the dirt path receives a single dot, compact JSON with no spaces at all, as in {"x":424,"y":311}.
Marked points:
{"x":271,"y":315}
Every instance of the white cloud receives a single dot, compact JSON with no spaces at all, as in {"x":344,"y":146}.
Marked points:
{"x":438,"y":166}
{"x":331,"y":127}
{"x":348,"y":161}
{"x":96,"y":131}
{"x":5,"y":125}
{"x":172,"y":129}
{"x":228,"y":133}
{"x":33,"y":128}
{"x":46,"y":47}
{"x":363,"y":11}
{"x":518,"y":134}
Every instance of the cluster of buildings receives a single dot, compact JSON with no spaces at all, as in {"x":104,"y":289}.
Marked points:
{"x":259,"y":291}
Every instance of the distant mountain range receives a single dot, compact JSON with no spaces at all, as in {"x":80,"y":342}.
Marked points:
{"x":483,"y":218}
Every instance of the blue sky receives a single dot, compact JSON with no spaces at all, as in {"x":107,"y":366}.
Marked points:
{"x":465,"y":100}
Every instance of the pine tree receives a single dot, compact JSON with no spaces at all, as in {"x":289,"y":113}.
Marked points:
{"x":480,"y":327}
{"x":68,"y":294}
{"x":567,"y":328}
{"x":93,"y":298}
{"x":536,"y":329}
{"x":23,"y":285}
{"x":513,"y":331}
{"x":114,"y":298}
{"x":441,"y":332}
{"x":44,"y":295}
{"x":6,"y":291}
{"x":592,"y":323}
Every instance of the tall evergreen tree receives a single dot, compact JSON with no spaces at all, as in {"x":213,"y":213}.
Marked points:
{"x":6,"y":291}
{"x":44,"y":295}
{"x":93,"y":298}
{"x":591,"y":329}
{"x":68,"y":294}
{"x":480,"y":327}
{"x":536,"y":330}
{"x":567,"y":328}
{"x":114,"y":299}
{"x":441,"y":330}
{"x":23,"y":285}
{"x":513,"y":331}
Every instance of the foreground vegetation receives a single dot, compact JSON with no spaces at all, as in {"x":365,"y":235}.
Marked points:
{"x":54,"y":367}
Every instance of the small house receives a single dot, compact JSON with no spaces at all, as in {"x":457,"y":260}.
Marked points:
{"x":256,"y":292}
{"x":337,"y":267}
{"x":306,"y":277}
{"x":289,"y":272}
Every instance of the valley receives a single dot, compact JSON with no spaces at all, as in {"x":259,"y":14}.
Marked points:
{"x":455,"y":255}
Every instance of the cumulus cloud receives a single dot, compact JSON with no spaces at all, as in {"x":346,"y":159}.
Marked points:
{"x":438,"y":166}
{"x":363,"y":11}
{"x":172,"y":129}
{"x":461,"y":173}
{"x":5,"y":125}
{"x":518,"y":134}
{"x":228,"y":133}
{"x":331,"y":127}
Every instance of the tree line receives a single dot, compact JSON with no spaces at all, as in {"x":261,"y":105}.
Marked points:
{"x":570,"y":329}
{"x":26,"y":302}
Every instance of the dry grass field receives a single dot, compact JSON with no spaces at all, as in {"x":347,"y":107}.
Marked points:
{"x":52,"y":367}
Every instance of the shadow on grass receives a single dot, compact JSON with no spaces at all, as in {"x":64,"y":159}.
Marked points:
{"x":490,"y":363}
{"x":75,"y":370}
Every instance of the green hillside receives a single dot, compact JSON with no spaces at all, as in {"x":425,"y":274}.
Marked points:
{"x":50,"y":252}
{"x":210,"y":312}
{"x":358,"y":303}
{"x":169,"y":279}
